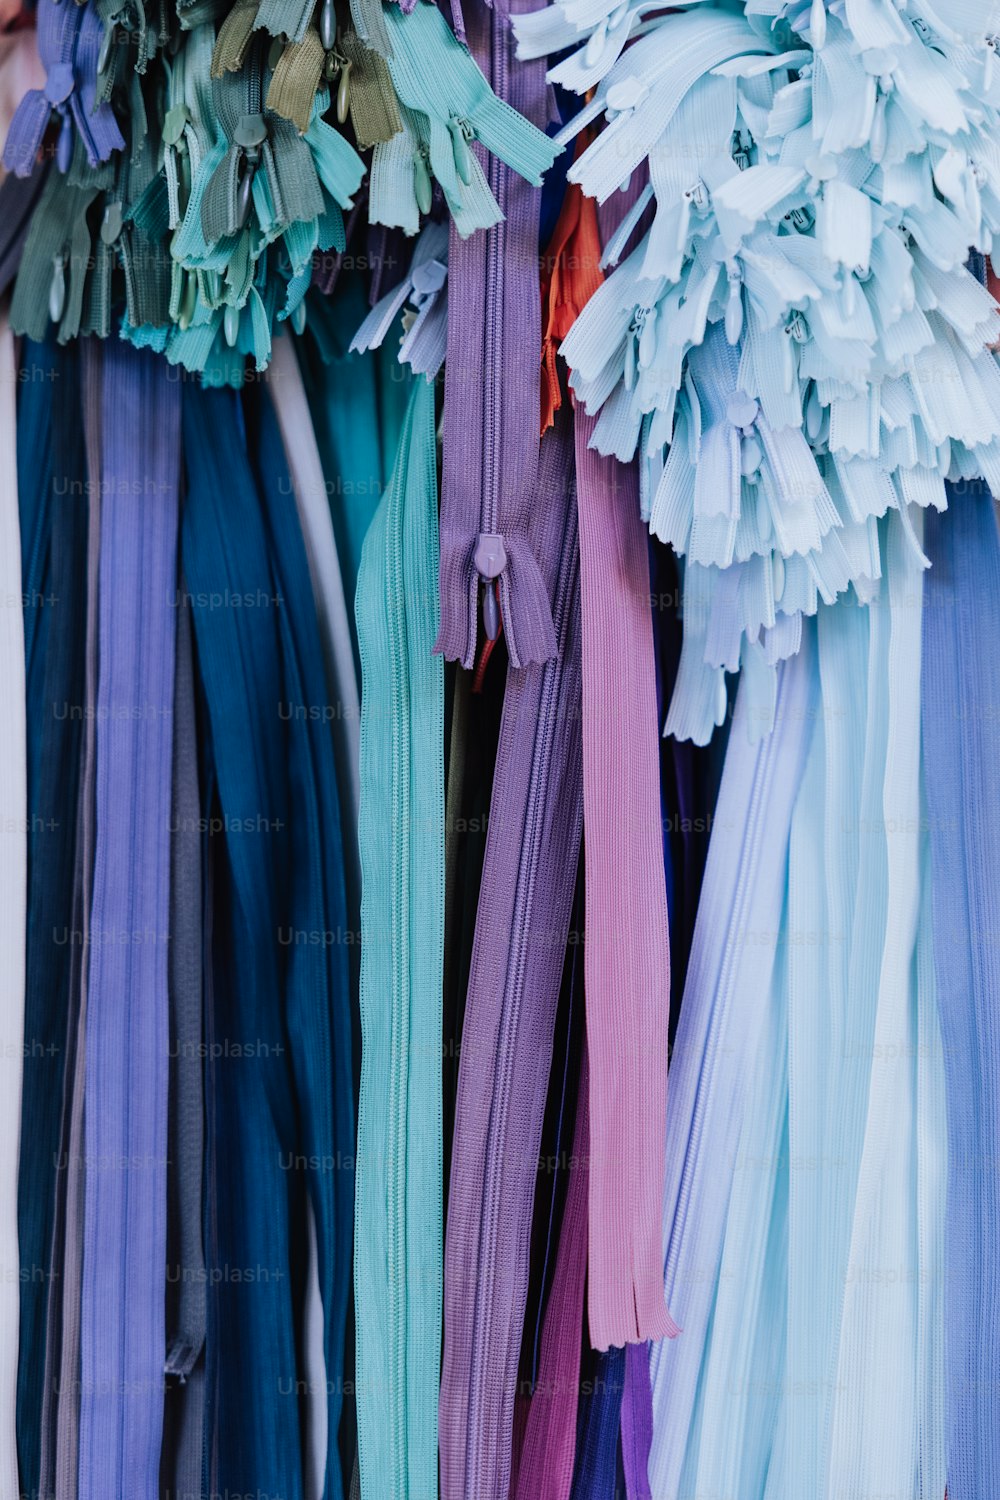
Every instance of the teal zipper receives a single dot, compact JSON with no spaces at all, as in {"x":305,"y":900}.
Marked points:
{"x":398,"y":1246}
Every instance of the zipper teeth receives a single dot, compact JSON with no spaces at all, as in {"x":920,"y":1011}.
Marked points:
{"x":479,"y":1470}
{"x":494,"y":394}
{"x":762,"y":774}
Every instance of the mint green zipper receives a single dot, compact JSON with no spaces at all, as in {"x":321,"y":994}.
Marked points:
{"x":399,"y":1237}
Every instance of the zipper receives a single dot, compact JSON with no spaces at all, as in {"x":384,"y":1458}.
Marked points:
{"x":488,"y":565}
{"x":627,"y":956}
{"x":398,"y":1247}
{"x":743,"y":892}
{"x":484,"y":1462}
{"x":510,"y":1012}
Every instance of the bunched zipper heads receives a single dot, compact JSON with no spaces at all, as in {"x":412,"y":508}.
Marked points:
{"x":448,"y":105}
{"x":818,"y":176}
{"x":398,"y":1256}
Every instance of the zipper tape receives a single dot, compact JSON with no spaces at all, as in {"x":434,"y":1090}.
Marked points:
{"x":277,"y":966}
{"x":53,"y":534}
{"x":249,"y":1131}
{"x":125,"y":1238}
{"x":59,"y":1473}
{"x":183,"y":1456}
{"x":14,"y":856}
{"x":306,"y":471}
{"x":875,"y":1437}
{"x":960,"y":736}
{"x":59,"y":1458}
{"x":398,"y":1258}
{"x":637,"y":1422}
{"x":595,"y":1474}
{"x":318,"y":1005}
{"x":521,"y":934}
{"x":546,"y":1464}
{"x":627,"y":956}
{"x":492,"y":395}
{"x":727,"y":985}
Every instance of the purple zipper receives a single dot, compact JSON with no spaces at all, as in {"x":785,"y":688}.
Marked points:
{"x":525,"y":903}
{"x":69,"y":43}
{"x":492,"y":395}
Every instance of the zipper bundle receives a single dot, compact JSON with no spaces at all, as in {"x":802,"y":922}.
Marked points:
{"x":197,"y":176}
{"x":795,"y":345}
{"x":728,"y":979}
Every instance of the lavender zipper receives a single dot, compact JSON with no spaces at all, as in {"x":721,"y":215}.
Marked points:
{"x":492,"y":396}
{"x":521,"y":933}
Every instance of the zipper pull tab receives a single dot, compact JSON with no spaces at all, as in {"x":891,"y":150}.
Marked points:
{"x":817,"y":24}
{"x":328,"y":25}
{"x":344,"y":91}
{"x":64,"y":147}
{"x":231,"y":324}
{"x":814,"y":414}
{"x":422,"y":185}
{"x":491,"y":611}
{"x":489,"y":560}
{"x":461,"y":134}
{"x":188,"y":303}
{"x":734,"y":307}
{"x":879,"y":134}
{"x":105,"y":48}
{"x":57,"y":288}
{"x":250,"y":134}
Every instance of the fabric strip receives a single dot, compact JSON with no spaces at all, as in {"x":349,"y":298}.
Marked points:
{"x":627,"y":950}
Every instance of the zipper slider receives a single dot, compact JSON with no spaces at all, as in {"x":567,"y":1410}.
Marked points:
{"x":817,"y":24}
{"x":422,"y":185}
{"x":57,"y":288}
{"x":992,"y":42}
{"x":734,"y":307}
{"x":461,"y":134}
{"x":740,"y":149}
{"x":328,"y":24}
{"x":250,"y":134}
{"x":489,"y":560}
{"x":743,"y":412}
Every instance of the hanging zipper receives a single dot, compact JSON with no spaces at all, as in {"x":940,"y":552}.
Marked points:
{"x":488,"y":567}
{"x":398,"y":1245}
{"x":627,"y":953}
{"x":521,"y":931}
{"x":743,"y":893}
